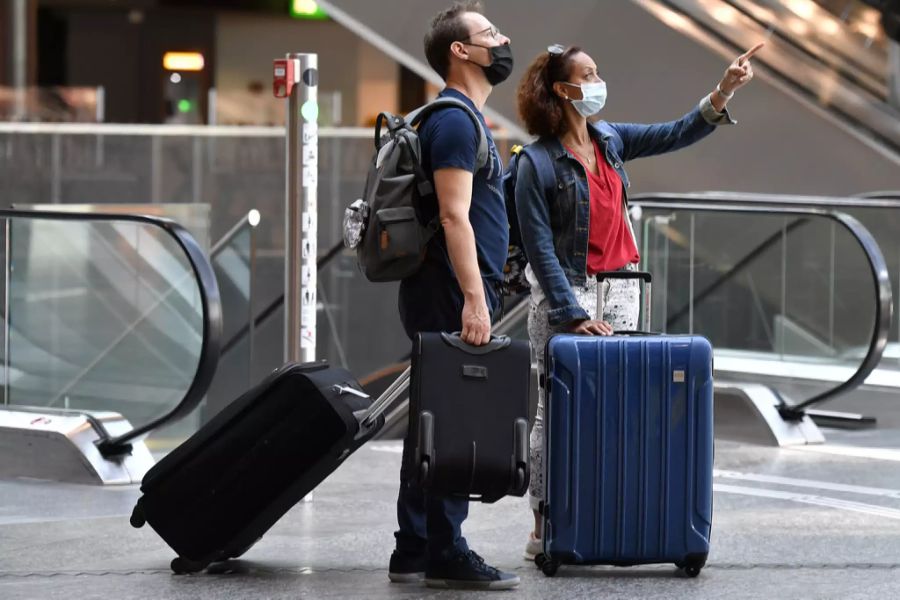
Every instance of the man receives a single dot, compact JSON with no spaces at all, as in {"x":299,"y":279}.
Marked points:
{"x":456,"y":287}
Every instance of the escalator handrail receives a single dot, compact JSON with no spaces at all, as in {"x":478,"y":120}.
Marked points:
{"x":210,"y":302}
{"x":714,"y":198}
{"x":223,"y":242}
{"x":881,"y":195}
{"x":785,"y":206}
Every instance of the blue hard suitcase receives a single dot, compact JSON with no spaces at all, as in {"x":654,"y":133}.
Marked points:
{"x":628,"y":449}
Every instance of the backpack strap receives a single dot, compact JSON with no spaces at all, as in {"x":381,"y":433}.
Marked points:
{"x":539,"y":156}
{"x":482,"y":154}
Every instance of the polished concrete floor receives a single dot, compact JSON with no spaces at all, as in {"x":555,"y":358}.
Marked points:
{"x":817,"y":522}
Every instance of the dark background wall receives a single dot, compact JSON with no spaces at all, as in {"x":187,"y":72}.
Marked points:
{"x":6,"y":41}
{"x":121,"y":49}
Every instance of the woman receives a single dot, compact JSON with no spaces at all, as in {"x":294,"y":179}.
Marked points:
{"x":579,"y":226}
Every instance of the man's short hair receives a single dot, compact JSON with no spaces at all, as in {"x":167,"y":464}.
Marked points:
{"x":447,"y":27}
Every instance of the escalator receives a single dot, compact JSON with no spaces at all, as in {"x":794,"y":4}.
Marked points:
{"x":68,"y":264}
{"x":837,"y":62}
{"x":804,"y":131}
{"x":109,"y":320}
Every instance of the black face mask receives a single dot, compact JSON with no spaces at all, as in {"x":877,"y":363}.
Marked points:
{"x":501,"y":63}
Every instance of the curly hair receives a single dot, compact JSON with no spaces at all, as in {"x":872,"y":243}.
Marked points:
{"x":447,"y":27}
{"x":539,"y":107}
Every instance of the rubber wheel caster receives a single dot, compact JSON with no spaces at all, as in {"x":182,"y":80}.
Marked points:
{"x":183,"y":566}
{"x":137,"y":519}
{"x":539,"y":560}
{"x":550,"y":567}
{"x":692,"y":570}
{"x":520,"y":480}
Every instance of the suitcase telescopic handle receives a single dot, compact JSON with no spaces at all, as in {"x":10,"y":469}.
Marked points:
{"x":498,"y":342}
{"x":393,"y":391}
{"x":644,"y":276}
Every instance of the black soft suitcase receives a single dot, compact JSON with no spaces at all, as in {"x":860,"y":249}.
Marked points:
{"x":469,"y":416}
{"x":215,"y":495}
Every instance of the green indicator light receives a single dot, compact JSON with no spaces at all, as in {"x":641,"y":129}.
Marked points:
{"x":307,"y":9}
{"x":310,"y":111}
{"x":185,"y":105}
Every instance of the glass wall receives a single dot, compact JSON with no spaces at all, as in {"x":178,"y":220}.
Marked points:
{"x":100,"y":316}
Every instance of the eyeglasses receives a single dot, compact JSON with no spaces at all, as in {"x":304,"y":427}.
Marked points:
{"x":556,"y":50}
{"x":495,"y":33}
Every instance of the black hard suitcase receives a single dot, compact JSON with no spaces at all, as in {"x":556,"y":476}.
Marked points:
{"x":469,"y":416}
{"x":215,"y":495}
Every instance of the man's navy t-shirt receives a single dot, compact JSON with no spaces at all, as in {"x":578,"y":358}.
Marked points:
{"x":449,"y":140}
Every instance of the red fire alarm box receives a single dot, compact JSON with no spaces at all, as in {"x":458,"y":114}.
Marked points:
{"x":285,"y":75}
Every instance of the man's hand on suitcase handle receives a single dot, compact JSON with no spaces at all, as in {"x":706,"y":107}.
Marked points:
{"x":476,"y":323}
{"x":591,"y":327}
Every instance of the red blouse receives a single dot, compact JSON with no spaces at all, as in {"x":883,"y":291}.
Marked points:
{"x":610,"y":243}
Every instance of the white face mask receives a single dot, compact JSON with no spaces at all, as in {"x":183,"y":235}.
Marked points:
{"x":593,"y":98}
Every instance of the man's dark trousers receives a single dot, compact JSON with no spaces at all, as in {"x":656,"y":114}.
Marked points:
{"x":431,"y":300}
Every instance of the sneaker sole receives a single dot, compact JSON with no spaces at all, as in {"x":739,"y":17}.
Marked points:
{"x":456,"y":584}
{"x":406,"y":577}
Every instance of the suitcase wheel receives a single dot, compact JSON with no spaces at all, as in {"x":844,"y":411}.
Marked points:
{"x":692,"y":564}
{"x":520,"y":480}
{"x":549,"y":566}
{"x":423,"y":472}
{"x":137,"y":519}
{"x":539,"y":560}
{"x":182,"y":566}
{"x":692,"y":570}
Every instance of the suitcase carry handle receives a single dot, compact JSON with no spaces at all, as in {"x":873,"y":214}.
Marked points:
{"x":644,"y":276}
{"x":498,"y":342}
{"x":309,"y":367}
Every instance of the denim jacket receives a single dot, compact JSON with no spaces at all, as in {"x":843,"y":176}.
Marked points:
{"x":555,"y":230}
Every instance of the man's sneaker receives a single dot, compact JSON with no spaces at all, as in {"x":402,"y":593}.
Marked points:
{"x":468,"y":571}
{"x":406,"y":568}
{"x":534,"y":547}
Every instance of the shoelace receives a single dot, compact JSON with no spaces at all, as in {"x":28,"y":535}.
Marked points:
{"x":479,"y":562}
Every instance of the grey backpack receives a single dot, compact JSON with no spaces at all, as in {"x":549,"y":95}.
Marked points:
{"x":386,"y":225}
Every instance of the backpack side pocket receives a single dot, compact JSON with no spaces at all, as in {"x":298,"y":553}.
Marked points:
{"x":399,"y":233}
